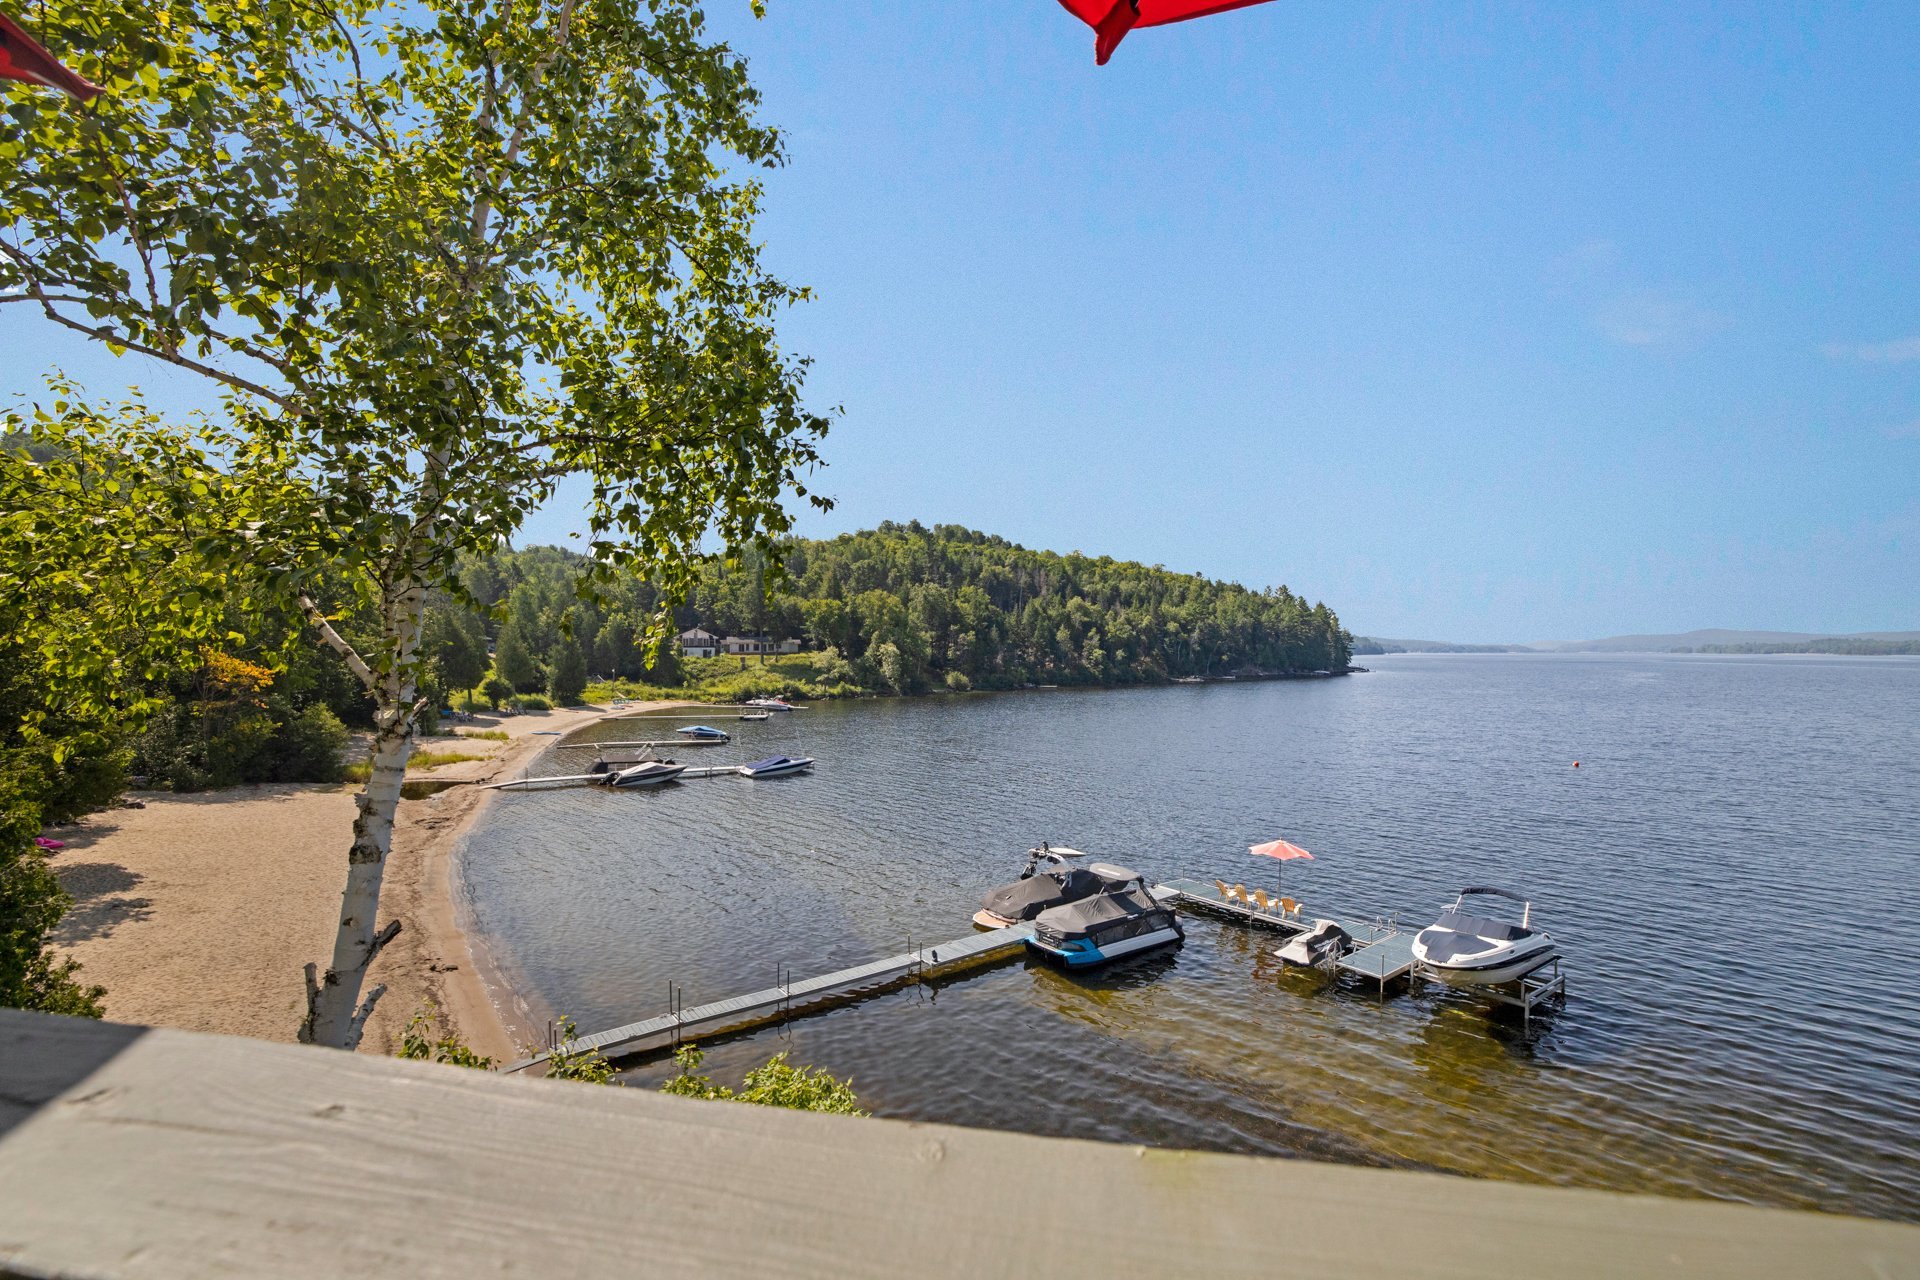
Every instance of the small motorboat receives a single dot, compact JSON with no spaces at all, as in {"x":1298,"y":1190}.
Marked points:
{"x":705,"y":732}
{"x":647,"y":773}
{"x":771,"y":704}
{"x":1055,"y":875}
{"x":1318,"y":946}
{"x":758,"y":715}
{"x":774,"y":766}
{"x":1123,"y":919}
{"x":1464,"y":950}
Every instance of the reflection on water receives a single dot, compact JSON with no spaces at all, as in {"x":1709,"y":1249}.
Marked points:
{"x":1730,"y":874}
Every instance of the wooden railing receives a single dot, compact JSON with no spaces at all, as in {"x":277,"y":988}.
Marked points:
{"x":152,"y":1153}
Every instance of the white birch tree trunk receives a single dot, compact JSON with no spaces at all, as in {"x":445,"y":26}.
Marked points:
{"x":336,"y":1014}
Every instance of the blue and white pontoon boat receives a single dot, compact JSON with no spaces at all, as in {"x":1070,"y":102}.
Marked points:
{"x":1465,"y":950}
{"x":1123,"y":919}
{"x":774,"y":766}
{"x":705,"y":732}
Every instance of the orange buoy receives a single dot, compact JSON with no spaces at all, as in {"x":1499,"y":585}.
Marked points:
{"x":1576,"y":764}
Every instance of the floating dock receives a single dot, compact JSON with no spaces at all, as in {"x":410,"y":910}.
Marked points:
{"x":1381,"y":952}
{"x":587,"y":779}
{"x":757,"y":1008}
{"x":641,"y":742}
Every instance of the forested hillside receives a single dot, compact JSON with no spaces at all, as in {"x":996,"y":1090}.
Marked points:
{"x":905,"y":608}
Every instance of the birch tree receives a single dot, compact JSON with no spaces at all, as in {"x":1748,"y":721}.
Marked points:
{"x":437,"y":257}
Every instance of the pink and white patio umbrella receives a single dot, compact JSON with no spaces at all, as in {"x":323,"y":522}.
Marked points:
{"x":1284,"y":851}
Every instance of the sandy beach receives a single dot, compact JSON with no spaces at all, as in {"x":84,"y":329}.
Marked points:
{"x":200,"y":911}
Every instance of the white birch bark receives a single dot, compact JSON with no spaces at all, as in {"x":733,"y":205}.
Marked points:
{"x":336,"y":1015}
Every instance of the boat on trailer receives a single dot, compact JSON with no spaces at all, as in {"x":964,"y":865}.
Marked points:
{"x":1055,"y":875}
{"x":774,"y":766}
{"x":1466,"y":950}
{"x":1123,"y":919}
{"x":705,"y":732}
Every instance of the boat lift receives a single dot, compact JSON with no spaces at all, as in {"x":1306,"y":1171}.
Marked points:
{"x":1382,"y":951}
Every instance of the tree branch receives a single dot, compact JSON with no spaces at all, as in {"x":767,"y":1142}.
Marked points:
{"x":336,"y":642}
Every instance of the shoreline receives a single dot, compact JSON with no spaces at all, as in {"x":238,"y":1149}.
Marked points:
{"x":198,"y":910}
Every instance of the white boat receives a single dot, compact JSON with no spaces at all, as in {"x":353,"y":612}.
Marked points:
{"x":703,"y":731}
{"x":758,"y":715}
{"x":774,"y":766}
{"x":771,"y":704}
{"x":647,"y":773}
{"x":1465,"y":950}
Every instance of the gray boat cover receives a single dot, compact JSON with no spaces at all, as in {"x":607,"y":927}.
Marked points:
{"x":1089,"y":913}
{"x":1024,"y":899}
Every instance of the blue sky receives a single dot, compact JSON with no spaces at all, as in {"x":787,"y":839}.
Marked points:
{"x":1478,"y":322}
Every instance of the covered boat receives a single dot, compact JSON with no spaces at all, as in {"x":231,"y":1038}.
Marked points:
{"x":774,"y":766}
{"x":1123,"y":919}
{"x":704,"y":731}
{"x":1317,"y":946}
{"x":1466,"y":950}
{"x":1055,"y":875}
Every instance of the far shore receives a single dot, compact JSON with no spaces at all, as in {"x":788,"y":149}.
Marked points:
{"x":199,"y":911}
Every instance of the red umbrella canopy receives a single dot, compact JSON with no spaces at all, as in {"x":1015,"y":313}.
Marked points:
{"x":22,"y":59}
{"x":1112,"y":19}
{"x":1280,"y":849}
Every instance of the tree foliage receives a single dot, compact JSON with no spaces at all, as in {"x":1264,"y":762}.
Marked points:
{"x":439,"y":256}
{"x":775,"y":1083}
{"x":905,"y":608}
{"x":100,"y":594}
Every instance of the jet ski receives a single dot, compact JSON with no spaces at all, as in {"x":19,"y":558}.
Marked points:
{"x":1466,"y":950}
{"x":1317,"y":946}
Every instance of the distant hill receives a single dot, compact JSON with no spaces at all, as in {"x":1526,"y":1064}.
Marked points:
{"x":1720,"y":640}
{"x":1708,"y":640}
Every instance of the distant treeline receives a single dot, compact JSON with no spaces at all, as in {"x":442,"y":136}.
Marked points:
{"x":1370,"y":645}
{"x":905,"y":608}
{"x":1839,"y":645}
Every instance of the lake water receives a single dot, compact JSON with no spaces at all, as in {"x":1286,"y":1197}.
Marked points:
{"x":1733,"y":874}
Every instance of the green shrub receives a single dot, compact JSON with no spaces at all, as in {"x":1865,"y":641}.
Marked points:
{"x":428,"y":1039}
{"x":957,"y":682}
{"x":309,"y":747}
{"x":585,"y":1065}
{"x":534,"y":702}
{"x":775,"y":1083}
{"x":496,"y":691}
{"x":491,"y":735}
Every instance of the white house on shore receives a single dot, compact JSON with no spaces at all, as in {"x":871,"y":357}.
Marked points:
{"x":704,"y":644}
{"x":762,"y":645}
{"x":700,"y":644}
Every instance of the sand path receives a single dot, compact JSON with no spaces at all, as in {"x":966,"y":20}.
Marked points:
{"x":199,"y":911}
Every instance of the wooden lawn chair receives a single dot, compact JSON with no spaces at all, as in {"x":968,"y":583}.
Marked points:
{"x":1288,"y":907}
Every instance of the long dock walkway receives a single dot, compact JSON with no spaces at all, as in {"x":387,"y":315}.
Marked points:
{"x":1381,"y":953}
{"x":774,"y":1003}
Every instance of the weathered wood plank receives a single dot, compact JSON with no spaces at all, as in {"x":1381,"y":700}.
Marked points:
{"x":172,"y":1154}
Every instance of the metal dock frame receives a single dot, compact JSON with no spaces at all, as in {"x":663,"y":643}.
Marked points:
{"x":758,"y":1008}
{"x":1526,"y":994}
{"x":1381,"y":952}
